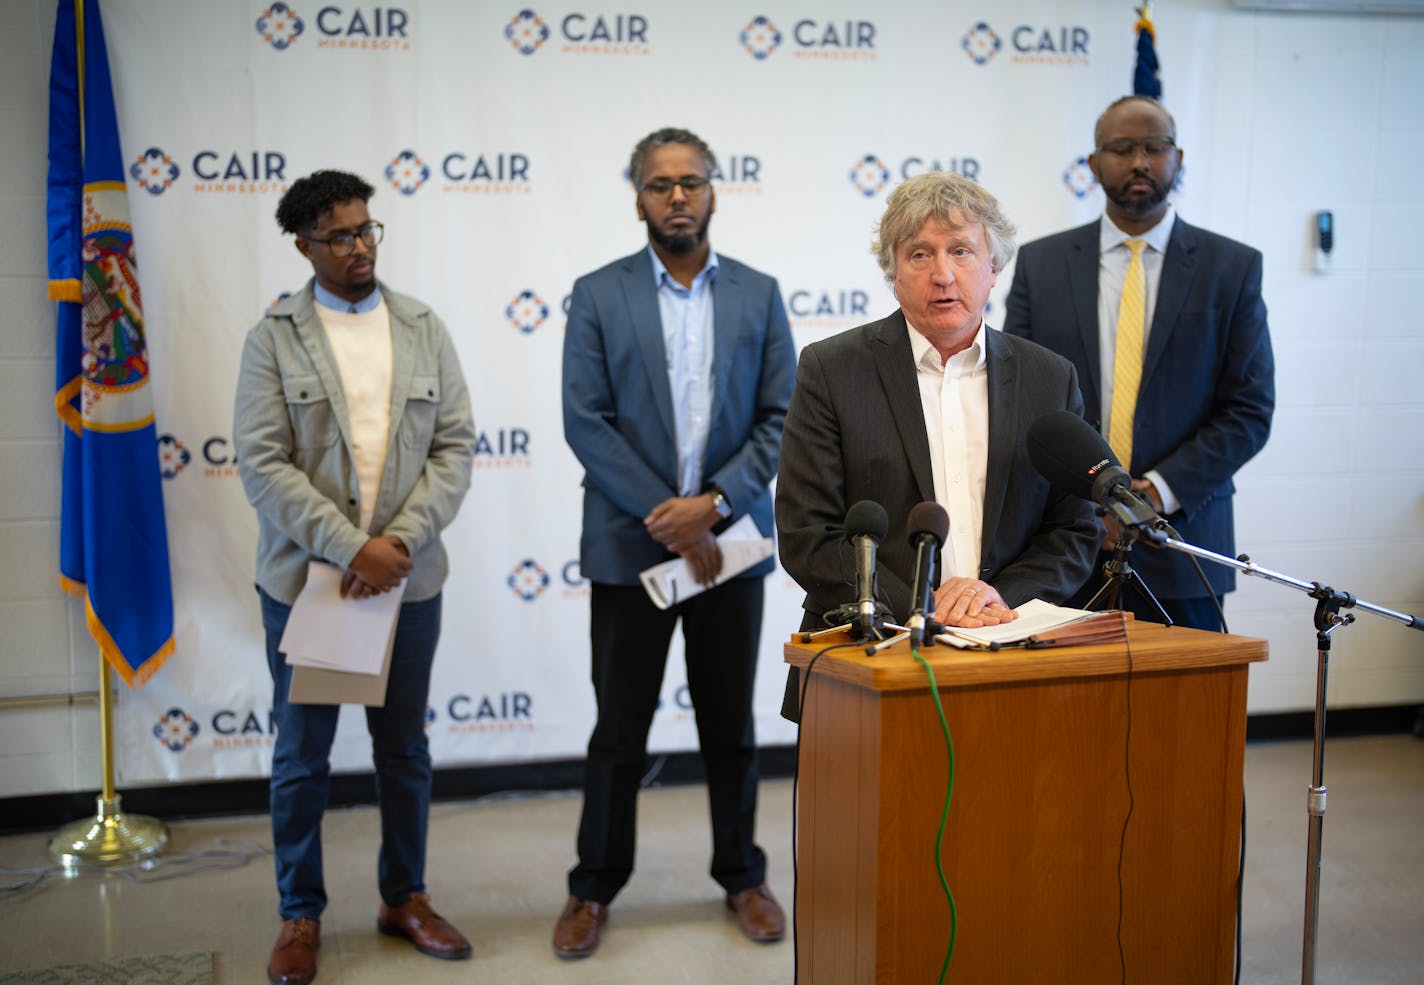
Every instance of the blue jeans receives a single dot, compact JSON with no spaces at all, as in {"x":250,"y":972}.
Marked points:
{"x":301,"y":765}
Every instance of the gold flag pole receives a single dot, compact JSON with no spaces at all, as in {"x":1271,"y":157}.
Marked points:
{"x":111,"y":837}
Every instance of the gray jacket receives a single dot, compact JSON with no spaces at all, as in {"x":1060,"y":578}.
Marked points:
{"x":292,"y":432}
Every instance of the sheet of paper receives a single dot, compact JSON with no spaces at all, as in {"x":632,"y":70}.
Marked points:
{"x":1035,"y":616}
{"x":742,"y":546}
{"x":335,"y":633}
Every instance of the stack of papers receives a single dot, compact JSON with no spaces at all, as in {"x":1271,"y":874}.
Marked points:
{"x":1043,"y":624}
{"x":335,"y":633}
{"x":742,"y":546}
{"x":339,"y":648}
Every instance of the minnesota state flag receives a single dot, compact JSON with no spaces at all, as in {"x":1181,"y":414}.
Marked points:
{"x":113,"y":546}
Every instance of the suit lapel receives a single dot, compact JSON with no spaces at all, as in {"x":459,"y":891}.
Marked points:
{"x":895,"y":361}
{"x":1003,"y":382}
{"x":726,"y":316}
{"x":1177,"y":269}
{"x":1083,"y":283}
{"x":640,"y":293}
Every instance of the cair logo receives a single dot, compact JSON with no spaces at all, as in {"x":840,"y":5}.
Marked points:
{"x":738,"y":174}
{"x":175,"y":730}
{"x":279,"y":25}
{"x":760,"y":38}
{"x":831,"y":308}
{"x":234,"y":729}
{"x":528,"y":580}
{"x":1059,"y":44}
{"x":154,"y":171}
{"x":406,"y":172}
{"x":1078,"y":178}
{"x":354,"y":28}
{"x":483,"y":173}
{"x":833,"y":40}
{"x":981,"y":44}
{"x":229,"y":171}
{"x":526,"y":32}
{"x":219,"y":460}
{"x":527,"y":311}
{"x":502,"y":448}
{"x":503,"y":712}
{"x":173,"y":457}
{"x":871,"y":174}
{"x":575,"y":584}
{"x":579,"y":33}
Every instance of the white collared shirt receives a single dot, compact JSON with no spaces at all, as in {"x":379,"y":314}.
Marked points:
{"x":955,"y":399}
{"x":1113,"y":260}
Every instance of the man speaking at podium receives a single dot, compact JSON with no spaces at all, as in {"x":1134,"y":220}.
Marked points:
{"x":931,"y":404}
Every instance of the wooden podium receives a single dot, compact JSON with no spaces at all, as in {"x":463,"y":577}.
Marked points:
{"x":1047,"y":744}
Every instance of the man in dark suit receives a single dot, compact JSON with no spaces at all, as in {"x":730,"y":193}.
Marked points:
{"x":932,"y":404}
{"x":1187,"y":398}
{"x":678,"y":366}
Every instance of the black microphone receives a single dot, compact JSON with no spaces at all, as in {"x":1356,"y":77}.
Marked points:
{"x":1069,"y":453}
{"x":928,"y":526}
{"x":865,"y":526}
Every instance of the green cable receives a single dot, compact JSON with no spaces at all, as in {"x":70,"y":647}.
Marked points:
{"x":944,"y":817}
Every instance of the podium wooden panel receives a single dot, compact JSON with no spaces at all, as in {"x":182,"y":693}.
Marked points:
{"x":1047,"y":744}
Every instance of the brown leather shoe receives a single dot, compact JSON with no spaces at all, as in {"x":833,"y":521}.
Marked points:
{"x":293,"y":960}
{"x":576,"y":933}
{"x":431,"y":933}
{"x":758,"y":914}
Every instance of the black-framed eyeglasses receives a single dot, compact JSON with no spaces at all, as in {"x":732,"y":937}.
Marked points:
{"x":345,"y":244}
{"x":1153,"y":147}
{"x":692,"y":185}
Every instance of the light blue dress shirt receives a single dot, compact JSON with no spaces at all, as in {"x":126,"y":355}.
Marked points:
{"x":328,"y":300}
{"x":688,"y":339}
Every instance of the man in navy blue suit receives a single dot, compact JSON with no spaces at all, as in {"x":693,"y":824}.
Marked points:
{"x":1187,"y":399}
{"x":678,"y":366}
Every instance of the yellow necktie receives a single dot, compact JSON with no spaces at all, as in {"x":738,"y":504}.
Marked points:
{"x":1127,"y":356}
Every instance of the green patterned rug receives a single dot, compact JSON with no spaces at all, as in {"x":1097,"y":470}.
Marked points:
{"x":193,"y":968}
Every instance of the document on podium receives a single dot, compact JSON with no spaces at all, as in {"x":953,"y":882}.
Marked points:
{"x":742,"y":546}
{"x":339,"y":648}
{"x":1042,"y":624}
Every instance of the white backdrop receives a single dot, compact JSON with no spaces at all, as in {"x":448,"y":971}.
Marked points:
{"x":501,"y":178}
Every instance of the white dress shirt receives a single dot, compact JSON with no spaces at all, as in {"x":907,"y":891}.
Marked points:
{"x":955,"y":398}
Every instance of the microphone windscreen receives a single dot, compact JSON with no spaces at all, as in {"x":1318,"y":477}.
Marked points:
{"x":928,"y":518}
{"x":1068,"y":452}
{"x":867,"y":518}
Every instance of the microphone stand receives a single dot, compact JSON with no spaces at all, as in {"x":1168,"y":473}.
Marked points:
{"x":1327,"y":619}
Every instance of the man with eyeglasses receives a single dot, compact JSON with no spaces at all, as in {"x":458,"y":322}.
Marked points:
{"x":1166,"y":326}
{"x":677,"y":369}
{"x":354,"y":443}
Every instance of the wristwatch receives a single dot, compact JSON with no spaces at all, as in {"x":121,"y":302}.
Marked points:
{"x":720,"y":504}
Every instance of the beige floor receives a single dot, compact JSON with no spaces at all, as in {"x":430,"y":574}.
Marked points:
{"x":497,"y":870}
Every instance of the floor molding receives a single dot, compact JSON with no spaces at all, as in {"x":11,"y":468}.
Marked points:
{"x":218,"y":798}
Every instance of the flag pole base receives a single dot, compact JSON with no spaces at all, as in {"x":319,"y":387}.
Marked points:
{"x":111,"y":837}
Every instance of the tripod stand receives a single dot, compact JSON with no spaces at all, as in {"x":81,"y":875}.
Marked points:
{"x":1118,"y":575}
{"x":1326,"y":620}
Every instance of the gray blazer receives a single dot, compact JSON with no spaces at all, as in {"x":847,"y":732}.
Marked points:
{"x":292,"y":432}
{"x":856,"y":430}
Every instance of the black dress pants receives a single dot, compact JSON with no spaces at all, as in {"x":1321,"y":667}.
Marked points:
{"x":630,"y":636}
